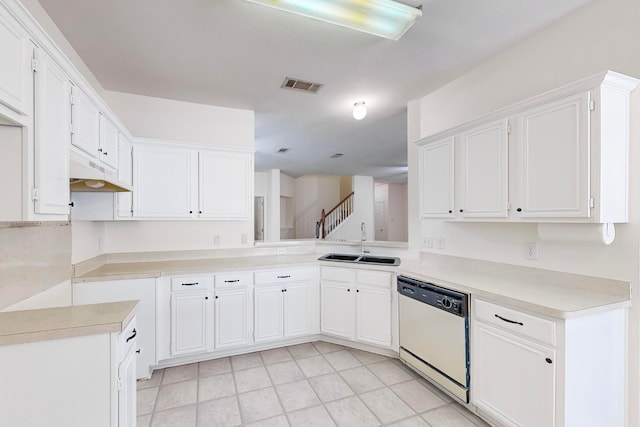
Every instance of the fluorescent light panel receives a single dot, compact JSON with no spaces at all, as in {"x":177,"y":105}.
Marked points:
{"x":383,"y":18}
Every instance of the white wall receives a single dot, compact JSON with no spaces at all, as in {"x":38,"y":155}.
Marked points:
{"x":168,"y":119}
{"x":314,"y":193}
{"x":603,"y":35}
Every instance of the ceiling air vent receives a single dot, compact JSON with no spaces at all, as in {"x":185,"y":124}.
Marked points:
{"x":301,"y":85}
{"x":282,"y":150}
{"x":336,"y":156}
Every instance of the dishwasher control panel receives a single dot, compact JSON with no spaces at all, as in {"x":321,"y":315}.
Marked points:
{"x":445,"y":299}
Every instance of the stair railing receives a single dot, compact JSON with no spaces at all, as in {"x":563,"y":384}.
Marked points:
{"x":331,"y":220}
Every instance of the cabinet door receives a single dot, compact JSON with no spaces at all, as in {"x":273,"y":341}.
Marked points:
{"x":231,"y":312}
{"x":483,"y":172}
{"x":297,"y":309}
{"x":16,"y":78}
{"x":127,"y":391}
{"x":164,"y":182}
{"x":108,"y":142}
{"x":225,"y":184}
{"x":125,"y":174}
{"x":269,"y":312}
{"x":143,"y":290}
{"x":85,"y":117}
{"x":52,"y":135}
{"x":513,"y":379}
{"x":188,"y":323}
{"x":553,"y":160}
{"x":373,"y":315}
{"x":337,"y":307}
{"x":437,"y":179}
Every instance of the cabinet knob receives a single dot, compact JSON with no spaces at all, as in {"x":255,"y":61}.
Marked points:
{"x":71,"y":204}
{"x":519,"y":209}
{"x":548,"y":360}
{"x":450,"y":211}
{"x":190,"y":211}
{"x":200,"y":212}
{"x":216,"y":296}
{"x":99,"y":150}
{"x":357,"y":290}
{"x":348,"y":290}
{"x":207,"y":297}
{"x":138,"y":351}
{"x":461,"y":210}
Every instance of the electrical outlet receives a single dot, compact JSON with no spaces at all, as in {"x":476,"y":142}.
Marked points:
{"x":243,"y":239}
{"x":427,"y":242}
{"x":531,"y":251}
{"x":216,"y":240}
{"x":440,"y":243}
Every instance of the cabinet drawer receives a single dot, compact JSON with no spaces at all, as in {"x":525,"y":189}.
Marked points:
{"x":338,"y":274}
{"x":189,"y":283}
{"x":375,"y":278}
{"x":284,"y":275}
{"x":127,"y":338}
{"x":233,"y":280}
{"x":524,"y":324}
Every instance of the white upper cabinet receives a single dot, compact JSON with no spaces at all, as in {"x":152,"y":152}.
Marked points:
{"x":437,"y":179}
{"x":164,"y":181}
{"x":16,"y":79}
{"x":85,"y":117}
{"x":225,"y":183}
{"x":552,"y":143}
{"x":562,"y":156}
{"x":108,"y":142}
{"x":52,"y":136}
{"x":174,"y":182}
{"x":483,"y":171}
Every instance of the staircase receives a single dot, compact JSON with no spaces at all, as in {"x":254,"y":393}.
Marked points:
{"x":336,"y":216}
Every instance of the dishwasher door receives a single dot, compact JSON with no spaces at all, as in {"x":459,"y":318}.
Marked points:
{"x":436,"y":337}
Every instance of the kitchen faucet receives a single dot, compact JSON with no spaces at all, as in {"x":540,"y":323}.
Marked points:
{"x":363,"y":237}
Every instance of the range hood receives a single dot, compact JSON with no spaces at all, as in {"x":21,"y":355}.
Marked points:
{"x":87,"y":176}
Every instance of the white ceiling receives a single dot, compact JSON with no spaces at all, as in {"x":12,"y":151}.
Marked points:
{"x":236,"y":54}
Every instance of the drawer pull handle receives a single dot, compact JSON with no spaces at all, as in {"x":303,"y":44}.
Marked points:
{"x":284,"y":277}
{"x":509,"y":321}
{"x":133,"y":335}
{"x":232,"y":281}
{"x":190,"y":284}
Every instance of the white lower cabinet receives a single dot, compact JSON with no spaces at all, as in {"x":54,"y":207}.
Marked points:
{"x":191,"y":315}
{"x":531,"y":371}
{"x":143,"y":290}
{"x":286,"y":304}
{"x":502,"y":357}
{"x":233,"y":310}
{"x":76,"y":381}
{"x":357,"y":304}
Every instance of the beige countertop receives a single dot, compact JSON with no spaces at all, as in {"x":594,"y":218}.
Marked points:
{"x":21,"y":327}
{"x":150,"y":269}
{"x":544,"y":292}
{"x":549,"y":293}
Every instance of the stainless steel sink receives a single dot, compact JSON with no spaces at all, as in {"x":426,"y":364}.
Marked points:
{"x":379,"y":260}
{"x":340,"y":257}
{"x":361,"y":259}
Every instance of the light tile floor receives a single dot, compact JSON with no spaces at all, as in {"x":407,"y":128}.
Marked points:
{"x":314,"y":384}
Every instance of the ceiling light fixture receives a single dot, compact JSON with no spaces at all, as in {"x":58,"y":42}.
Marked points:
{"x":382,"y":18}
{"x":359,"y":110}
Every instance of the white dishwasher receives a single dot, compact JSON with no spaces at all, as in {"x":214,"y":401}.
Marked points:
{"x":434,"y":334}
